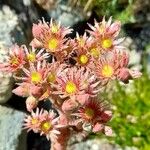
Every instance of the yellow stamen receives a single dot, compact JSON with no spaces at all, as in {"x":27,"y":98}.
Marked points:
{"x":70,"y":87}
{"x":34,"y":121}
{"x":14,"y":61}
{"x":54,"y":28}
{"x":107,"y":43}
{"x":36,"y":77}
{"x":81,"y":42}
{"x":52,"y":44}
{"x":51,"y":78}
{"x":107,"y":71}
{"x":46,"y":126}
{"x":89,"y":113}
{"x":83,"y":59}
{"x":31,"y":57}
{"x":95,"y":52}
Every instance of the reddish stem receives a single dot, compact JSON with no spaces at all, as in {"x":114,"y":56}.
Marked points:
{"x":61,"y":142}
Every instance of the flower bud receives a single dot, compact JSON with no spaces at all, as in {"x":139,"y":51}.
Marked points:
{"x":69,"y":105}
{"x":98,"y":127}
{"x":31,"y":103}
{"x":106,"y":115}
{"x":124,"y":75}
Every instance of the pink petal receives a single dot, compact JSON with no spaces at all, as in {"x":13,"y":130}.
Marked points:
{"x":108,"y":131}
{"x":69,"y":105}
{"x":106,"y":115}
{"x":35,"y":43}
{"x":82,"y":99}
{"x":98,"y":127}
{"x":135,"y":73}
{"x":22,"y":90}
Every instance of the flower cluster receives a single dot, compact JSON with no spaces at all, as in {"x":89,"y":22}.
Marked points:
{"x":70,"y":73}
{"x":42,"y":122}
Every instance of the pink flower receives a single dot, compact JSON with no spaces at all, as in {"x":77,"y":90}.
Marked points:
{"x":81,"y":42}
{"x":32,"y":122}
{"x":15,"y":60}
{"x":105,"y":34}
{"x":83,"y":58}
{"x":33,"y":56}
{"x":48,"y":125}
{"x":69,"y":83}
{"x":36,"y":74}
{"x":73,"y":82}
{"x":107,"y":66}
{"x":105,"y":69}
{"x":49,"y":36}
{"x":83,"y":50}
{"x":43,"y":122}
{"x":106,"y":28}
{"x":95,"y":50}
{"x":54,"y":69}
{"x":94,"y":111}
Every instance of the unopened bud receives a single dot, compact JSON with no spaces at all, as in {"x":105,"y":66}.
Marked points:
{"x":31,"y":103}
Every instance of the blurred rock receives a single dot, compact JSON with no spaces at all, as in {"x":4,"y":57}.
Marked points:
{"x":12,"y":137}
{"x":67,"y":15}
{"x":139,"y":33}
{"x":47,"y":4}
{"x":96,"y":144}
{"x":148,"y":63}
{"x":135,"y":56}
{"x":8,"y":22}
{"x":142,"y":10}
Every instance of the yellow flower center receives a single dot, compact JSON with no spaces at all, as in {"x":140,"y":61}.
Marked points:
{"x":107,"y":71}
{"x":83,"y":59}
{"x":89,"y":113}
{"x":34,"y":121}
{"x":52,"y":44}
{"x":95,"y":52}
{"x":14,"y":61}
{"x":107,"y":43}
{"x":54,"y":28}
{"x":31,"y":57}
{"x":51,"y":78}
{"x":36,"y":77}
{"x":81,"y":42}
{"x":46,"y":126}
{"x":70,"y":87}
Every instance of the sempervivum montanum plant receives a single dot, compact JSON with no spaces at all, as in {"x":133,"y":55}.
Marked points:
{"x":79,"y":70}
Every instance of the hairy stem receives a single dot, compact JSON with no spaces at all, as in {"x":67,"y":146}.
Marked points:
{"x":62,"y":139}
